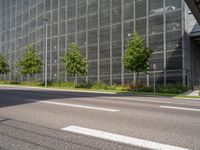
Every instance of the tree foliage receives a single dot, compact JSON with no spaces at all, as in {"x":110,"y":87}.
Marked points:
{"x":4,"y":67}
{"x":30,"y":63}
{"x":136,"y":55}
{"x":74,"y":63}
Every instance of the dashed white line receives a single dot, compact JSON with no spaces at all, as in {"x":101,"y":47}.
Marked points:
{"x":180,"y":108}
{"x":77,"y":106}
{"x":121,"y":138}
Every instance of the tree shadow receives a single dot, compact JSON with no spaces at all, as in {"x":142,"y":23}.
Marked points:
{"x":13,"y":97}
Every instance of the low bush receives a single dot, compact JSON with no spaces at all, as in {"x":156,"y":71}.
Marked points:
{"x":170,"y":88}
{"x":145,"y":89}
{"x":102,"y":86}
{"x":61,"y":84}
{"x":9,"y":82}
{"x":128,"y":87}
{"x":31,"y":83}
{"x":121,"y":88}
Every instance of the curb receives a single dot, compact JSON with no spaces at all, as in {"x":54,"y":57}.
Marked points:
{"x":57,"y":89}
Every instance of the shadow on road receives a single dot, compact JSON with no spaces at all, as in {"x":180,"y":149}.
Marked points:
{"x":11,"y":97}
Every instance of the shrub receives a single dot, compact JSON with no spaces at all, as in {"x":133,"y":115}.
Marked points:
{"x":9,"y":82}
{"x":128,"y":87}
{"x":121,"y":88}
{"x":32,"y":83}
{"x":145,"y":89}
{"x":170,"y":88}
{"x":103,"y":86}
{"x":61,"y":84}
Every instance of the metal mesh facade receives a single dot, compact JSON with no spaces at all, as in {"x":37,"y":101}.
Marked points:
{"x":100,"y":28}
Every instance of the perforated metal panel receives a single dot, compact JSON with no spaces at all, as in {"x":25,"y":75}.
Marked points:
{"x":100,"y":28}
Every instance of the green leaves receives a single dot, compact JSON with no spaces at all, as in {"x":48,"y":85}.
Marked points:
{"x":4,"y":67}
{"x":30,"y":63}
{"x":74,"y":63}
{"x":136,"y":55}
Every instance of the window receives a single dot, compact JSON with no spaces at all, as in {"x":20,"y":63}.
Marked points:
{"x":92,"y":6}
{"x":116,"y":14}
{"x":140,"y":7}
{"x":156,"y":42}
{"x":116,"y":32}
{"x":105,"y":18}
{"x":156,"y":24}
{"x":92,"y":37}
{"x":105,"y":34}
{"x":141,"y":26}
{"x":92,"y":52}
{"x":104,"y":51}
{"x":81,"y":24}
{"x":128,"y":11}
{"x":92,"y":21}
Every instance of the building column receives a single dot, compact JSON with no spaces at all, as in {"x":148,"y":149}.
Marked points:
{"x":98,"y":42}
{"x":111,"y":30}
{"x":183,"y":44}
{"x":147,"y":35}
{"x":122,"y":40}
{"x":86,"y":42}
{"x":164,"y":46}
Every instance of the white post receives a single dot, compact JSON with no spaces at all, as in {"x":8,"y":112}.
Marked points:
{"x":154,"y":82}
{"x":154,"y":78}
{"x":46,"y":56}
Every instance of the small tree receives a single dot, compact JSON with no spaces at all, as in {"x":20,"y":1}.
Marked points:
{"x":136,"y":56}
{"x":4,"y":67}
{"x":30,"y":63}
{"x":74,"y":63}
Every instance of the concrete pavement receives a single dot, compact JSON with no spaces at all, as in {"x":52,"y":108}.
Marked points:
{"x":146,"y":118}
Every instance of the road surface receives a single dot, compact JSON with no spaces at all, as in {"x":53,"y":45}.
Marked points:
{"x":33,"y":118}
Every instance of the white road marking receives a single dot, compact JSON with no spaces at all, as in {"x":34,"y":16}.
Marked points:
{"x":78,"y":106}
{"x":180,"y":108}
{"x":121,"y":138}
{"x":136,"y":99}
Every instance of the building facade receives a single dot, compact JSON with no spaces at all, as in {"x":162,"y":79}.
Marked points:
{"x":100,"y":28}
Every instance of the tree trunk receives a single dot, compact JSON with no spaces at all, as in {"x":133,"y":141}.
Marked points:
{"x":75,"y":80}
{"x":134,"y":74}
{"x":28,"y":78}
{"x":137,"y":81}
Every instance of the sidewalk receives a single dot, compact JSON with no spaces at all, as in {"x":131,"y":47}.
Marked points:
{"x":192,"y":93}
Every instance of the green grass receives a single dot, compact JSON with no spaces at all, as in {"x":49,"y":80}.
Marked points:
{"x":147,"y":94}
{"x":21,"y":83}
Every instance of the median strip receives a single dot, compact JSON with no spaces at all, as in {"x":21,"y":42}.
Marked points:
{"x":121,"y":138}
{"x":180,"y":108}
{"x":78,"y":106}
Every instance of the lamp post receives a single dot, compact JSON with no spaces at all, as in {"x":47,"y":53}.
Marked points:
{"x":154,"y":78}
{"x":45,"y":78}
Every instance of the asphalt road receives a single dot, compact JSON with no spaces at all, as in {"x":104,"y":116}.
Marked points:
{"x":32,"y":118}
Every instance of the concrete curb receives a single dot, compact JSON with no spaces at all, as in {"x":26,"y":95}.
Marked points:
{"x":56,"y":89}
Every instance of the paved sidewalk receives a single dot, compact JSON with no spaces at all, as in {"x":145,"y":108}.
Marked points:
{"x":193,"y":93}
